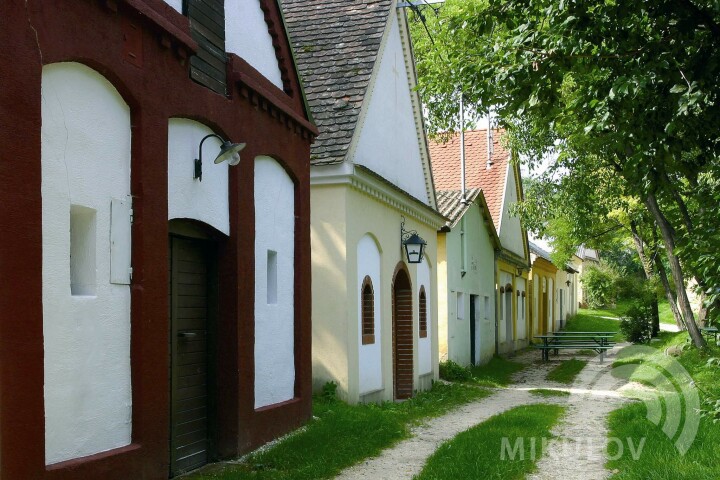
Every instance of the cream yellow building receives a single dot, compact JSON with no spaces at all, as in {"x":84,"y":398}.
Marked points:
{"x":374,"y":314}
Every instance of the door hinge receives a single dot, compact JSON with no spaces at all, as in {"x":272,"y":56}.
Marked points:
{"x":130,"y":272}
{"x":132,"y":216}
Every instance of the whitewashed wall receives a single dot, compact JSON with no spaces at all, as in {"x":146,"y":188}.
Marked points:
{"x":511,"y":233}
{"x":247,"y":36}
{"x":505,"y":315}
{"x":370,"y":356}
{"x":388,"y":142}
{"x":274,"y":288}
{"x":85,"y":163}
{"x":424,"y":344}
{"x":205,"y":200}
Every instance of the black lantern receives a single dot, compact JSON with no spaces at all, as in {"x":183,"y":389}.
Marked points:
{"x":567,"y":283}
{"x":413,"y":244}
{"x":228,"y":151}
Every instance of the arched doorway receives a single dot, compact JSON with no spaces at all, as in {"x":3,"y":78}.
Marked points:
{"x":402,"y":335}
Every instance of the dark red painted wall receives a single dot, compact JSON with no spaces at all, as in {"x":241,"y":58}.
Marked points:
{"x":272,"y":123}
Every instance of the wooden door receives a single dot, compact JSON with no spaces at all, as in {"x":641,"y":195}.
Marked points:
{"x":402,"y":337}
{"x":189,"y":311}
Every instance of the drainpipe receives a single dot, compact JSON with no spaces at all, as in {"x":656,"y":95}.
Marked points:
{"x":462,"y":148}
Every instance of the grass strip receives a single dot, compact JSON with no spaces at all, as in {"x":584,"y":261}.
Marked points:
{"x":659,"y":459}
{"x":586,"y":321}
{"x":566,"y":371}
{"x":548,"y":392}
{"x":506,"y":446}
{"x":340,"y":435}
{"x":497,"y":372}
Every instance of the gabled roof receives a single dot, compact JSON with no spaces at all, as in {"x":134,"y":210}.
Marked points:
{"x":336,"y":43}
{"x":587,"y":253}
{"x":445,"y":159}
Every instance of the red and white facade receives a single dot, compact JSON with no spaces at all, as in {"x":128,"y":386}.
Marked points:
{"x":100,"y":123}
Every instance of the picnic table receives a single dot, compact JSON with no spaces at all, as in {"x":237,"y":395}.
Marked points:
{"x":710,"y":332}
{"x":564,"y":340}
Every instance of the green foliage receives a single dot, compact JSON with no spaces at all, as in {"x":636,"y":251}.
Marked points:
{"x":329,"y":391}
{"x":636,"y":325}
{"x":477,"y":452}
{"x":454,"y":372}
{"x":566,"y":371}
{"x":620,"y":98}
{"x":599,"y":285}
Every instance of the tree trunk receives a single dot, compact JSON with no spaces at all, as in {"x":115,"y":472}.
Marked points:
{"x":647,"y":267}
{"x":672,"y":299}
{"x":668,"y":236}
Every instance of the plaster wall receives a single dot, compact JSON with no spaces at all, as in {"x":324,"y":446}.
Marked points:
{"x":247,"y":35}
{"x":537,"y":291}
{"x":85,"y":164}
{"x":388,"y":141}
{"x":422,"y":278}
{"x":331,"y":314}
{"x":443,"y":297}
{"x":205,"y":200}
{"x":511,"y":232}
{"x":274,"y":283}
{"x":479,"y":280}
{"x":369,"y":215}
{"x":521,"y":324}
{"x":505,"y":317}
{"x":370,"y":355}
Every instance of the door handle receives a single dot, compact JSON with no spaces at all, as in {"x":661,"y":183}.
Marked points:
{"x":187,"y":334}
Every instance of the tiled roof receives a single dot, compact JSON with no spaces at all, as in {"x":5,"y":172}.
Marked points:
{"x":336,"y":43}
{"x":450,"y":202}
{"x":445,"y":158}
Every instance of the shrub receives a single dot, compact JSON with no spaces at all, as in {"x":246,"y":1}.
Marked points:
{"x":329,"y":391}
{"x":636,"y":325}
{"x":599,"y":283}
{"x":453,"y":372}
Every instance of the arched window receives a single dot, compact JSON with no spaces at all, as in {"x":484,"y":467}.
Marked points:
{"x":368,"y":312}
{"x":423,"y":313}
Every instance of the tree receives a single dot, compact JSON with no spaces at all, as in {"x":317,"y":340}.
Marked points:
{"x":626,"y":86}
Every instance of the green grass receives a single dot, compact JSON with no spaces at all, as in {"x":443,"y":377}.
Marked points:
{"x":587,"y":322}
{"x":547,"y":392}
{"x":340,"y":435}
{"x":665,"y":313}
{"x":566,"y":371}
{"x":478,"y":452}
{"x":497,"y":372}
{"x":622,"y":306}
{"x":659,"y":459}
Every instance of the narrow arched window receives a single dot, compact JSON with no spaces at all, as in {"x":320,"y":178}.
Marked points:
{"x":368,"y":312}
{"x":423,"y":313}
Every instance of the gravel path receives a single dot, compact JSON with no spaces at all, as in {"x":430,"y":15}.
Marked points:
{"x":593,"y":396}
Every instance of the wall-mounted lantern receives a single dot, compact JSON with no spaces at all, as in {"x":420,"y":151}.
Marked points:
{"x":228,"y":151}
{"x":567,"y":283}
{"x":413,"y":244}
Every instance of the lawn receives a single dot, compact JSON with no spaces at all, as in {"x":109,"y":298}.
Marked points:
{"x":566,"y":371}
{"x":497,"y":372}
{"x":622,"y":306}
{"x":492,"y":449}
{"x":585,"y":322}
{"x":341,"y":435}
{"x":659,"y":458}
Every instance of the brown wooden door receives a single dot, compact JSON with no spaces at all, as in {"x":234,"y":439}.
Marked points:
{"x":402,"y":337}
{"x":189,"y":312}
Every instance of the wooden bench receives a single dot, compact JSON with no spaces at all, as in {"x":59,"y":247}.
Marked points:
{"x":599,"y":342}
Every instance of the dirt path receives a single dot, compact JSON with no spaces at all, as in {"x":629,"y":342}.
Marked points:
{"x":593,"y":396}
